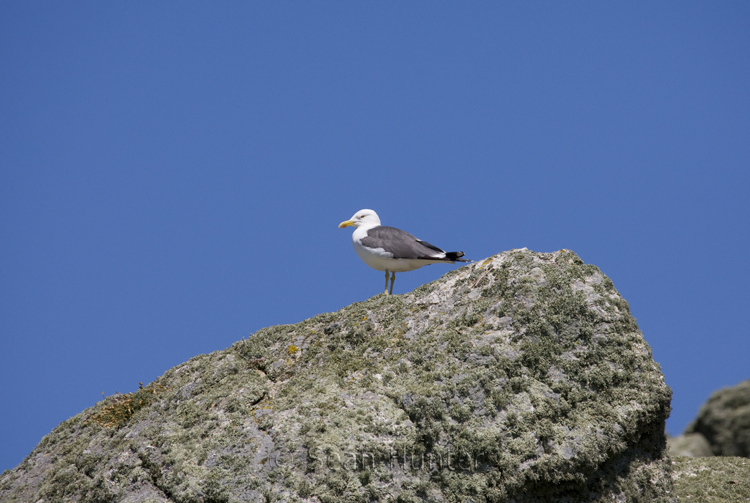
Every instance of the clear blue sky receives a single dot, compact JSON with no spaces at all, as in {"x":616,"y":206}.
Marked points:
{"x":172,"y":174}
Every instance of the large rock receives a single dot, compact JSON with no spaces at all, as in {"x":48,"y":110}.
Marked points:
{"x":725,"y":421}
{"x":519,"y":378}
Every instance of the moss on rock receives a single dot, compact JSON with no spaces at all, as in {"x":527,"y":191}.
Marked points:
{"x":724,"y":479}
{"x":519,"y":378}
{"x":724,"y":420}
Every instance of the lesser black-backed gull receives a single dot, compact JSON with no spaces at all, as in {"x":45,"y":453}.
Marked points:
{"x":393,"y":250}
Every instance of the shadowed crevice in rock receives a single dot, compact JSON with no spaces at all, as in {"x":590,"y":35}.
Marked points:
{"x":521,"y":378}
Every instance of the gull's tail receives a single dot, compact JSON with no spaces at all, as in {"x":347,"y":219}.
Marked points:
{"x":456,"y":257}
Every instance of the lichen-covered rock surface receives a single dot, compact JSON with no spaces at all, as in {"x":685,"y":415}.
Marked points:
{"x":519,"y":378}
{"x":716,"y":479}
{"x":724,"y":420}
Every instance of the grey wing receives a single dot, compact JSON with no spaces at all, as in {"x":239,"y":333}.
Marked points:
{"x":401,"y":244}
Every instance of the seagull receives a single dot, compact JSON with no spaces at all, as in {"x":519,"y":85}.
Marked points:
{"x":393,"y":250}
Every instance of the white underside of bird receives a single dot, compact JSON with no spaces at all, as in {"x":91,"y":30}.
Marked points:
{"x":390,"y":249}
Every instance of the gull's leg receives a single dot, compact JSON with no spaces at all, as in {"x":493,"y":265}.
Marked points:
{"x":386,"y":282}
{"x":393,"y":278}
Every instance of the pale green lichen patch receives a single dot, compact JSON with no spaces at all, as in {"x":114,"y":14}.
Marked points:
{"x":721,"y":479}
{"x":522,"y":377}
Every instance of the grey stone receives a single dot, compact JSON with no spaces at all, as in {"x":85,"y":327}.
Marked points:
{"x":725,"y":421}
{"x":692,"y":445}
{"x":520,"y":378}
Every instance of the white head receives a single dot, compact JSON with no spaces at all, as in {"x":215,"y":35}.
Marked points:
{"x":362,"y":217}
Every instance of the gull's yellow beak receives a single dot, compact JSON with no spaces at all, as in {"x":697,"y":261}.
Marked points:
{"x":345,"y":223}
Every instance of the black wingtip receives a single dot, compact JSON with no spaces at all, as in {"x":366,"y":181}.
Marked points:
{"x":456,"y":257}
